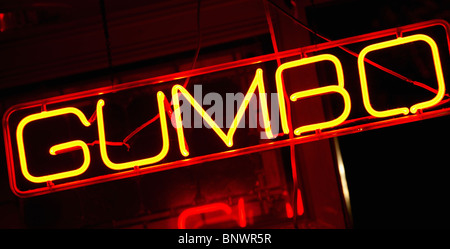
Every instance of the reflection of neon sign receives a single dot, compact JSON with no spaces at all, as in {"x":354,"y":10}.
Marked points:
{"x":194,"y":217}
{"x":223,"y":213}
{"x":327,"y":129}
{"x":213,"y":207}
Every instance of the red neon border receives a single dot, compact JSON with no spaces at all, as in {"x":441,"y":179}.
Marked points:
{"x":226,"y":154}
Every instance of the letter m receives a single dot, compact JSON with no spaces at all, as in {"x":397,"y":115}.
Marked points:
{"x":228,"y":137}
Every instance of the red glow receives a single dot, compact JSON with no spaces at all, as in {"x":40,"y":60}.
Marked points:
{"x":289,"y":211}
{"x":242,"y":215}
{"x":2,"y":22}
{"x":300,"y":208}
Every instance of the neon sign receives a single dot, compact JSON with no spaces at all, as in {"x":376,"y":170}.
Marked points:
{"x":190,"y":217}
{"x":18,"y":118}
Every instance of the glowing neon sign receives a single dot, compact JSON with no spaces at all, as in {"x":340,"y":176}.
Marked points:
{"x":17,"y":146}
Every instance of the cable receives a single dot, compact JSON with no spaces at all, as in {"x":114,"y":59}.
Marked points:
{"x":199,"y":41}
{"x":107,"y":41}
{"x":186,"y":82}
{"x":167,"y":105}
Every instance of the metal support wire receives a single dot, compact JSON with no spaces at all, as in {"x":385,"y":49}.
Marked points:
{"x":387,"y":70}
{"x":199,"y":42}
{"x":288,"y":107}
{"x":107,"y":41}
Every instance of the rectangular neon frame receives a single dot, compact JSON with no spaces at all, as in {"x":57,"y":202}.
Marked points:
{"x":226,"y":154}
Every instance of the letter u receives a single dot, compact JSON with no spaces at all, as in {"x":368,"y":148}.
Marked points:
{"x":136,"y":163}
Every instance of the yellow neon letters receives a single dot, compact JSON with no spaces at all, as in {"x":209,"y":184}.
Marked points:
{"x":226,"y":138}
{"x":308,"y":93}
{"x":137,"y":163}
{"x":53,"y":149}
{"x":396,"y":42}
